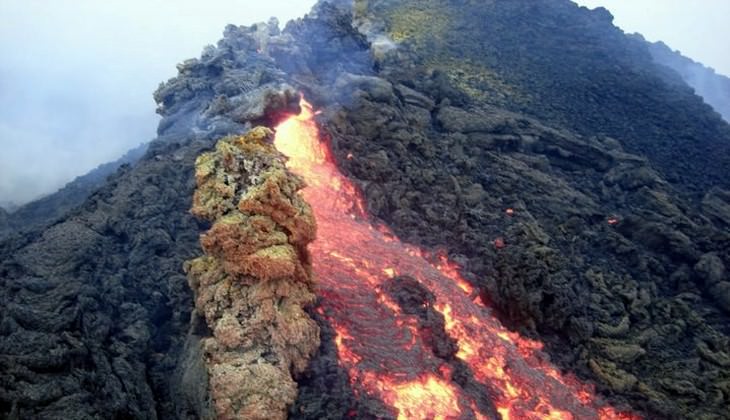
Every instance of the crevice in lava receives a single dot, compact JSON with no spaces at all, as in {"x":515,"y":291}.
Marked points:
{"x":415,"y":299}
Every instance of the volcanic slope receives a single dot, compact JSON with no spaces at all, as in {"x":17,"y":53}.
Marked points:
{"x":713,"y":87}
{"x":96,"y":308}
{"x":566,"y":66}
{"x":604,"y":255}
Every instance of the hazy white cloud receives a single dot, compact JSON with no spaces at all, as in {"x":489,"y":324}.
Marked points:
{"x":77,"y":76}
{"x":699,"y":29}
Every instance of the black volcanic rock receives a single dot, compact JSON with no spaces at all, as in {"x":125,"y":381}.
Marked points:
{"x":414,"y":299}
{"x":565,"y":65}
{"x":89,"y":303}
{"x":602,"y":242}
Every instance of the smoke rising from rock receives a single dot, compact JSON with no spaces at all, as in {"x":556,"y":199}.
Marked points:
{"x":714,"y":88}
{"x":76,"y":79}
{"x":697,"y":29}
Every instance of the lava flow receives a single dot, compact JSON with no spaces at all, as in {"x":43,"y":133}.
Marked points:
{"x":383,"y":348}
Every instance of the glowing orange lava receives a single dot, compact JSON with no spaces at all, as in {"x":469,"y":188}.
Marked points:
{"x":380,"y":347}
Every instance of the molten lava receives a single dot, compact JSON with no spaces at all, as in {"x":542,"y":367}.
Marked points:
{"x":381,"y":347}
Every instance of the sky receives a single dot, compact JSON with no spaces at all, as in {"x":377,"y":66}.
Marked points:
{"x":699,"y":29}
{"x":77,"y":76}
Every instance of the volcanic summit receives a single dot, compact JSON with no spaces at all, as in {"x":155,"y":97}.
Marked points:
{"x":440,"y":209}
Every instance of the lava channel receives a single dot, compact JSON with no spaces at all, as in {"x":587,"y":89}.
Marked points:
{"x":382,"y":348}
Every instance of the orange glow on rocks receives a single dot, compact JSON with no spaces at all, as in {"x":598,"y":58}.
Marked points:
{"x":429,"y":398}
{"x":499,"y":243}
{"x":381,"y":346}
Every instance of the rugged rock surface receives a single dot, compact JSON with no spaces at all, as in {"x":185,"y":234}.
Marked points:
{"x":566,"y":271}
{"x":615,"y":252}
{"x":254,"y":282}
{"x":564,"y":65}
{"x":602,"y":246}
{"x":95,"y":309}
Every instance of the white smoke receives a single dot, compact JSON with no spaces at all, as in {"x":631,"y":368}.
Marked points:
{"x":76,"y":78}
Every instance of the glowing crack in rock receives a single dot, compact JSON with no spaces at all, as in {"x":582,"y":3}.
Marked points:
{"x":380,"y":346}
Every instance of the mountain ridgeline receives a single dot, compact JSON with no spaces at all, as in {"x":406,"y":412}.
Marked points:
{"x":713,"y":87}
{"x":54,"y":206}
{"x":444,"y":113}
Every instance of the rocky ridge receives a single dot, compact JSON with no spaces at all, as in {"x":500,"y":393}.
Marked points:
{"x":96,"y":309}
{"x":255,"y":280}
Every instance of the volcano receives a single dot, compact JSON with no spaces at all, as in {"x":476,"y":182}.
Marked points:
{"x":405,"y":324}
{"x":439,"y":209}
